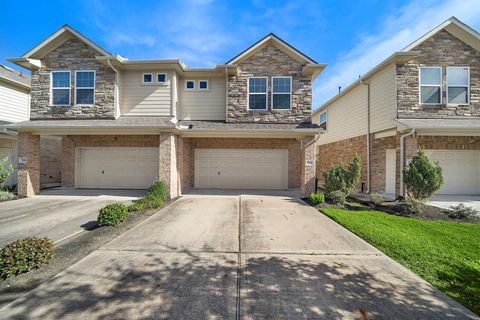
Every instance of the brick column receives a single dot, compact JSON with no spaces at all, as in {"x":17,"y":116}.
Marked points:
{"x":68,"y":162}
{"x":307,"y":181}
{"x":168,"y":162}
{"x":28,"y":175}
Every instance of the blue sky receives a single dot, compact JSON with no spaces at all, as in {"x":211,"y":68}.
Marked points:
{"x":350,"y":36}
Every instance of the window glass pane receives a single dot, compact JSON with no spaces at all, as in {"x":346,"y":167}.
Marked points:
{"x":190,"y":85}
{"x":281,"y":85}
{"x":257,"y":85}
{"x":257,"y":101}
{"x":161,"y":77}
{"x":61,"y":79}
{"x":457,"y":76}
{"x":430,"y":76}
{"x":430,"y":94}
{"x":323,"y":117}
{"x":203,"y":85}
{"x":61,"y":96}
{"x":147,"y":78}
{"x":323,"y":126}
{"x":85,"y":79}
{"x":85,"y":96}
{"x":457,"y":95}
{"x":281,"y":101}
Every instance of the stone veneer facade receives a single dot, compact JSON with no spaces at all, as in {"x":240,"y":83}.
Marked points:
{"x":72,"y":55}
{"x":269,"y":61}
{"x":433,"y":53}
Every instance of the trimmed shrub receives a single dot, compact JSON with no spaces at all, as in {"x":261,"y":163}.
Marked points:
{"x":413,"y":206}
{"x":376,"y":199}
{"x":422,"y":178}
{"x":156,"y":196}
{"x":461,"y":211}
{"x":6,"y":170}
{"x":159,"y":189}
{"x":24,"y":255}
{"x":112,"y":214}
{"x":316,"y":198}
{"x":6,"y":195}
{"x":342,"y":180}
{"x":335,"y":179}
{"x":336,"y":197}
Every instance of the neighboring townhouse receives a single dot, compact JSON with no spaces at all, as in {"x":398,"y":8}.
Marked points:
{"x":427,"y":96}
{"x":245,"y":124}
{"x":15,"y":107}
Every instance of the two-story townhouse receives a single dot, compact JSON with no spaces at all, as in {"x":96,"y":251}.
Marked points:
{"x":15,"y":107}
{"x":245,"y":124}
{"x":427,"y":96}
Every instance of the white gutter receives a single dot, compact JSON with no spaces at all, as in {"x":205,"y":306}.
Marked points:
{"x":226,"y":92}
{"x":402,"y":156}
{"x":368,"y":133}
{"x":8,"y":132}
{"x":117,"y":93}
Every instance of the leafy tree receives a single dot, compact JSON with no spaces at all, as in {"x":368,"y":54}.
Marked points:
{"x":6,"y":170}
{"x":422,"y":178}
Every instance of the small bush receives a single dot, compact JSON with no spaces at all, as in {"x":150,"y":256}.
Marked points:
{"x":422,"y":178}
{"x":316,"y":198}
{"x":339,"y":179}
{"x":159,"y":189}
{"x":413,"y":206}
{"x":461,"y":211}
{"x":6,"y":170}
{"x":112,"y":214}
{"x":6,"y":195}
{"x":336,"y":197}
{"x":24,"y":255}
{"x":157,"y":194}
{"x":376,"y":199}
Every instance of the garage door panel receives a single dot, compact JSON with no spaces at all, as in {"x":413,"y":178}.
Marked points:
{"x":461,"y":170}
{"x":118,"y":168}
{"x":241,"y":169}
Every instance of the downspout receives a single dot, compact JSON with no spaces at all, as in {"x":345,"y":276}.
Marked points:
{"x":226,"y":93}
{"x":117,"y":94}
{"x":368,"y":134}
{"x":402,"y":155}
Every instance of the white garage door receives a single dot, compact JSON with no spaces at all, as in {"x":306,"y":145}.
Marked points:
{"x":241,"y":168}
{"x":117,"y":168}
{"x":461,"y":170}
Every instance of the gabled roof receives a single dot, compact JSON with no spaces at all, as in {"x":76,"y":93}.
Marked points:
{"x":279,"y":43}
{"x":456,"y":28}
{"x":13,"y":77}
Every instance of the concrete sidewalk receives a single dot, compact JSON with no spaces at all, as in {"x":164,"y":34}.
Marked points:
{"x":236,"y":257}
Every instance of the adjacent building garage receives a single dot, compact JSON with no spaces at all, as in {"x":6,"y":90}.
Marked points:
{"x":116,"y":167}
{"x":461,"y":170}
{"x":241,"y":168}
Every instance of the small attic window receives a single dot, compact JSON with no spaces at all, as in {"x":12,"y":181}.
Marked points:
{"x":147,"y":78}
{"x":161,"y":78}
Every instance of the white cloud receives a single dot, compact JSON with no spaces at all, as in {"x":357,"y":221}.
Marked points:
{"x":397,"y":30}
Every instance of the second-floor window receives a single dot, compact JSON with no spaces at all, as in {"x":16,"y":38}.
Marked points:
{"x":430,"y":85}
{"x":257,"y":93}
{"x":281,"y":92}
{"x":323,"y":121}
{"x":458,"y":79}
{"x":60,"y":88}
{"x":85,"y":87}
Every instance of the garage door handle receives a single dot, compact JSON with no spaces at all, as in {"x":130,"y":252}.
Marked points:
{"x":103,"y":171}
{"x":218,"y":172}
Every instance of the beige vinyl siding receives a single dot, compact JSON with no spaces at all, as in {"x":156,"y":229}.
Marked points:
{"x":203,"y":105}
{"x":14,"y":103}
{"x":138,"y":99}
{"x":383,"y":100}
{"x":346,"y":117}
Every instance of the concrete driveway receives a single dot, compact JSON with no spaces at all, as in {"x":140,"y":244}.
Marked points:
{"x":236,"y":257}
{"x":56,"y":213}
{"x":446,"y":201}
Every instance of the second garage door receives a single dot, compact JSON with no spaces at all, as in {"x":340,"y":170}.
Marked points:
{"x":461,"y":170}
{"x":241,"y":168}
{"x":117,"y":168}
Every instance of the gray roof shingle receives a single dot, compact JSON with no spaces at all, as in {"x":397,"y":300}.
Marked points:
{"x":10,"y":74}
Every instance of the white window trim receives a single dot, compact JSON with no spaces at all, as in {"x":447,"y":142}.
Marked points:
{"x":194,"y":85}
{"x":69,"y":88}
{"x":143,"y":78}
{"x":208,"y":85}
{"x":166,"y":78}
{"x":249,"y":93}
{"x":271,"y":98}
{"x":468,"y":87}
{"x":326,"y":119}
{"x":429,"y":85}
{"x":76,"y":88}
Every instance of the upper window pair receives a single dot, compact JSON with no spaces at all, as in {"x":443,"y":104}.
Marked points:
{"x":258,"y":92}
{"x":84,"y":88}
{"x":457,"y":85}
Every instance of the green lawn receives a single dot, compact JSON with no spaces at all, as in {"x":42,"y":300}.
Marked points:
{"x":446,"y":254}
